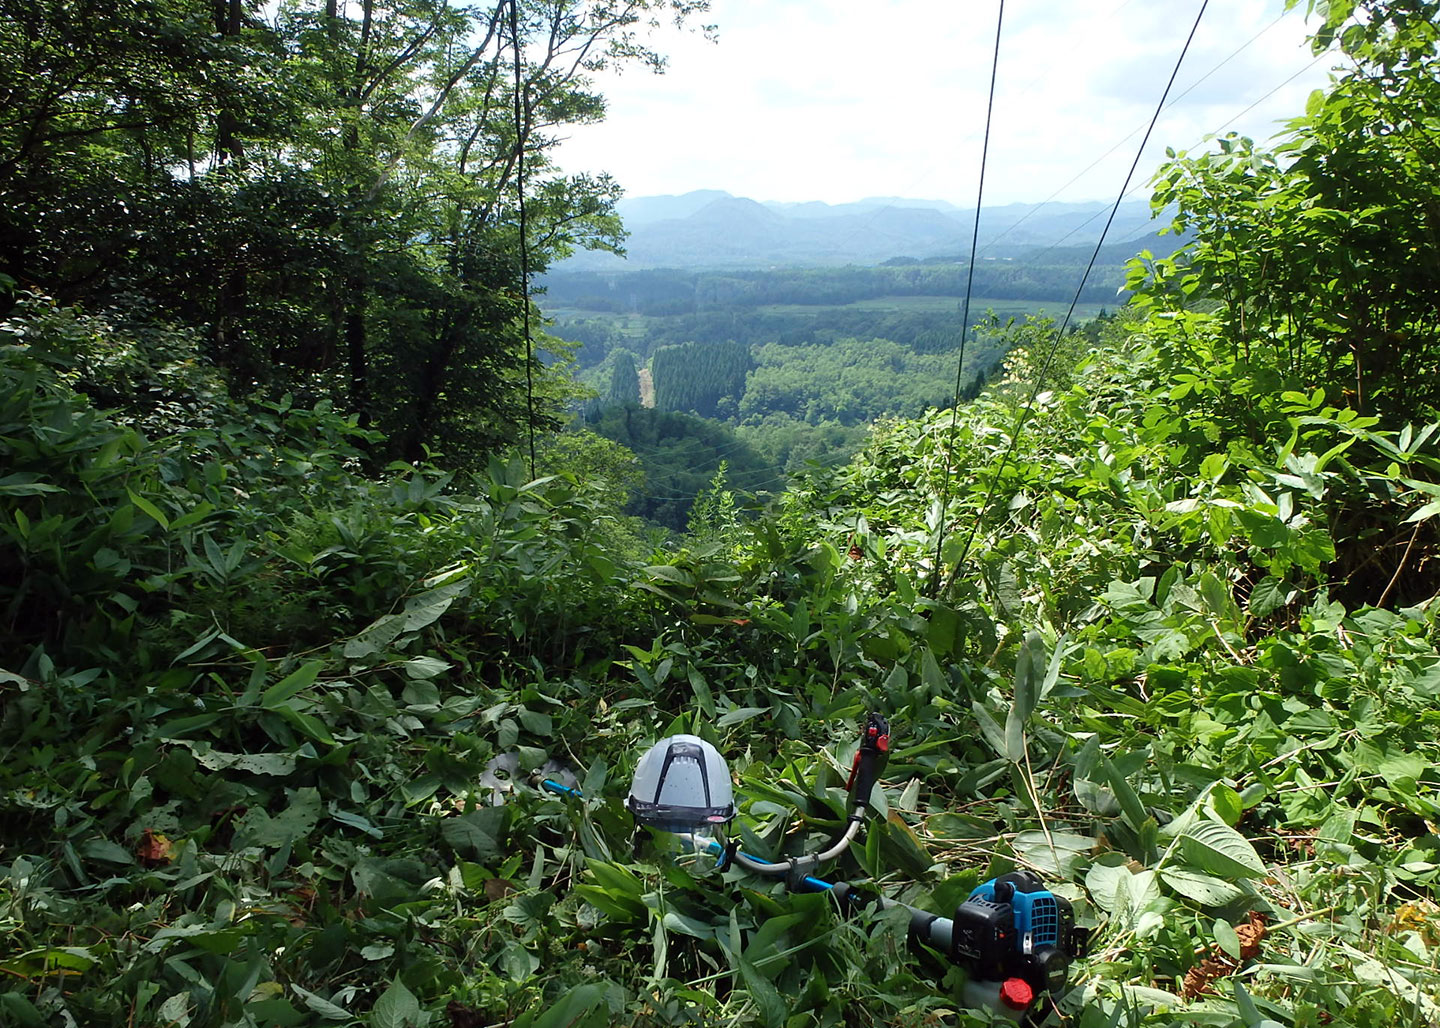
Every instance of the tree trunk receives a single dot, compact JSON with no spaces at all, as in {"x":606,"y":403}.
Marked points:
{"x":355,"y":349}
{"x":230,"y":295}
{"x":420,"y":429}
{"x":228,"y":22}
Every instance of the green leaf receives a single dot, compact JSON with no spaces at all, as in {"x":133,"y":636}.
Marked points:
{"x":669,"y":573}
{"x":1120,"y":891}
{"x":896,"y":682}
{"x":20,"y":1011}
{"x":1029,"y":675}
{"x":704,"y":698}
{"x":1056,"y":854}
{"x":740,"y":715}
{"x":278,"y":764}
{"x":518,"y":962}
{"x":375,"y":637}
{"x":322,"y":1006}
{"x":310,"y":726}
{"x":181,"y":726}
{"x":1030,"y":668}
{"x":479,"y":833}
{"x":1214,"y":466}
{"x":991,"y":730}
{"x":298,"y":820}
{"x":570,"y":1008}
{"x":1203,"y":889}
{"x":14,"y":485}
{"x":425,"y":667}
{"x":616,"y":890}
{"x":345,"y":817}
{"x":931,"y":675}
{"x":900,"y":846}
{"x":104,"y":849}
{"x":425,"y":609}
{"x":1226,"y":938}
{"x":1226,"y":803}
{"x":773,"y":1008}
{"x":1089,"y":780}
{"x":1218,"y":849}
{"x":37,"y":962}
{"x":175,"y":1009}
{"x":397,"y":1007}
{"x":1130,"y":806}
{"x":1425,"y":513}
{"x":212,"y":939}
{"x":1249,"y":1013}
{"x":1268,"y":596}
{"x":291,"y":684}
{"x":195,"y":516}
{"x":148,"y":508}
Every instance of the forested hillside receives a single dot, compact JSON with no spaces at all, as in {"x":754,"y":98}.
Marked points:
{"x":664,"y":292}
{"x":327,"y":197}
{"x":1153,"y":615}
{"x":797,"y":362}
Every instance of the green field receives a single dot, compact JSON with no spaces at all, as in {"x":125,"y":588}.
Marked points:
{"x":635,"y":324}
{"x":943,"y":304}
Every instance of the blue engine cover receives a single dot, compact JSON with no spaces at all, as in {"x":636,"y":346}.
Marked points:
{"x":1037,"y":915}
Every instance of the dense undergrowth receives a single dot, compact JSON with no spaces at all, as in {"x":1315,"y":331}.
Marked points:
{"x":1163,"y":631}
{"x":250,"y":697}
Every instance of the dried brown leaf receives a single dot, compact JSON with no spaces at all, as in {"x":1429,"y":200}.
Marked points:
{"x":1251,"y":933}
{"x":154,"y":849}
{"x":496,"y":888}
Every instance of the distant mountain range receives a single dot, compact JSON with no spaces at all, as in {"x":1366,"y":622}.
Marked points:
{"x":712,"y":229}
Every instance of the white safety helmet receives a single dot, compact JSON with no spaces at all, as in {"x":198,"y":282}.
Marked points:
{"x":682,"y":785}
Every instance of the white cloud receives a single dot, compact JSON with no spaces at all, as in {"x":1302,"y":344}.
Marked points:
{"x":836,"y":99}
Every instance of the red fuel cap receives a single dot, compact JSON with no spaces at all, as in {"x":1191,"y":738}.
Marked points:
{"x":1017,"y":994}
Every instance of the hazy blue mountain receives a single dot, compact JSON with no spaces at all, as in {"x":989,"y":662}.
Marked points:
{"x":642,"y":210}
{"x":816,"y":209}
{"x":714,"y":229}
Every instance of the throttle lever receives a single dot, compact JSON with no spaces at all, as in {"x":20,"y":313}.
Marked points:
{"x":870,"y":760}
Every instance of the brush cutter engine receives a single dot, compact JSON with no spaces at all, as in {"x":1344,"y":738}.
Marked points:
{"x":1013,"y":931}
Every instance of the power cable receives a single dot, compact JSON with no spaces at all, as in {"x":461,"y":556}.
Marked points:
{"x":1034,"y":84}
{"x":1037,"y":80}
{"x":1272,"y":92}
{"x":524,"y":243}
{"x":1233,"y":118}
{"x":965,"y":315}
{"x":1029,"y":407}
{"x":1091,"y":166}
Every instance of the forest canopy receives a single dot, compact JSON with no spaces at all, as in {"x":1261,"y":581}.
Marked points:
{"x":327,"y":193}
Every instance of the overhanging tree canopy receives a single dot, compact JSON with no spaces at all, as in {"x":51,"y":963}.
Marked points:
{"x":329,"y":189}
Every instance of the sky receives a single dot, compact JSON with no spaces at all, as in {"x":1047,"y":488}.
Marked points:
{"x":837,"y":100}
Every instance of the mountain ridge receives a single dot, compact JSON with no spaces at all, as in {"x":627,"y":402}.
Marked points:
{"x":715,"y":229}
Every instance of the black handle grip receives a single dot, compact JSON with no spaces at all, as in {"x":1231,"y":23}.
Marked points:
{"x":931,"y":929}
{"x":870,"y":759}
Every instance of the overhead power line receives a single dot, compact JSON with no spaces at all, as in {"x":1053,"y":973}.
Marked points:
{"x":1126,"y":138}
{"x":969,"y":288}
{"x":1029,"y":407}
{"x":1140,"y":185}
